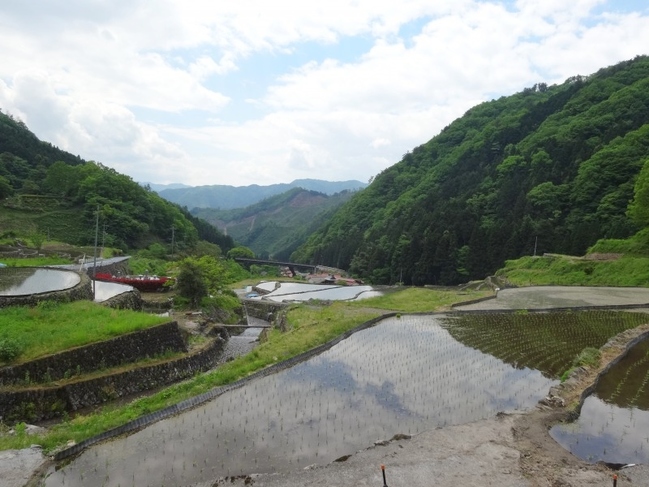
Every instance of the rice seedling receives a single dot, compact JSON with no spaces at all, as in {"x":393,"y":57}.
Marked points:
{"x":404,"y":375}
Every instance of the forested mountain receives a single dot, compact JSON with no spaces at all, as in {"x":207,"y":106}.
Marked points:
{"x":276,"y":226}
{"x":551,"y":168}
{"x":41,"y":183}
{"x":225,"y":197}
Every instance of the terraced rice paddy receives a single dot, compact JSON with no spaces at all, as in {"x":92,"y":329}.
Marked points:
{"x":614,"y":422}
{"x":405,"y":375}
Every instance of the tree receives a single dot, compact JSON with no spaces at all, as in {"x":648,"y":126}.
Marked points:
{"x":191,"y":282}
{"x":38,"y":239}
{"x":241,"y":252}
{"x":5,"y":188}
{"x":638,"y":209}
{"x":62,"y":179}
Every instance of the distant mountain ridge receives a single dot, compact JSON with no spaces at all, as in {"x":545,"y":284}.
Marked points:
{"x":275,"y":227}
{"x":226,"y":197}
{"x":160,"y":187}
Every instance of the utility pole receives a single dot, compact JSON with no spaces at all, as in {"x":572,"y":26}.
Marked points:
{"x":536,"y":241}
{"x":94,"y":264}
{"x":173,"y":239}
{"x":103,"y":240}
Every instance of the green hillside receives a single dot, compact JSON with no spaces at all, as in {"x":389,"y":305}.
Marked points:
{"x":47,"y":191}
{"x":549,"y":169}
{"x":276,"y":226}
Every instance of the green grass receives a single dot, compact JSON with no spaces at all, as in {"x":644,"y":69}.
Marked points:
{"x":53,"y":327}
{"x":570,"y":271}
{"x":419,"y":300}
{"x":309,"y":326}
{"x":35,"y":261}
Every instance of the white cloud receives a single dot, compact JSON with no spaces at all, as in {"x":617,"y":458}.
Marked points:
{"x":153,"y":88}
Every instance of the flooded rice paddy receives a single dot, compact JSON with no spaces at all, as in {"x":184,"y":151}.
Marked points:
{"x":293,"y":291}
{"x":614,"y":422}
{"x":405,"y":375}
{"x":21,"y":281}
{"x":546,"y":297}
{"x":106,"y":290}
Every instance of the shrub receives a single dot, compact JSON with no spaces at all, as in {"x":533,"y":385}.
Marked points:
{"x":10,"y":349}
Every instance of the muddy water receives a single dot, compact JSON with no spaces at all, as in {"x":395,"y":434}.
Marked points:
{"x":614,"y":422}
{"x":405,"y":375}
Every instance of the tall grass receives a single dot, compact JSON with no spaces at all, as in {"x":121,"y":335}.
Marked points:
{"x":52,"y":327}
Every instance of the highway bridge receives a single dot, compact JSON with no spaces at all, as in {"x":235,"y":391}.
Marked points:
{"x":291,"y":265}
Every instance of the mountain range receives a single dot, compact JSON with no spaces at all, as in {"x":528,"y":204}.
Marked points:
{"x":225,"y":197}
{"x":276,"y":226}
{"x":551,"y":169}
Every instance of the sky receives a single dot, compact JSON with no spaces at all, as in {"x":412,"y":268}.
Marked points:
{"x":206,"y":92}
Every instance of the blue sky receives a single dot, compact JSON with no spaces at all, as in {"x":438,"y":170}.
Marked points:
{"x":252,"y":92}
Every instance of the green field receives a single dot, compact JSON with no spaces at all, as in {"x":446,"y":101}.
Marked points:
{"x":52,"y":327}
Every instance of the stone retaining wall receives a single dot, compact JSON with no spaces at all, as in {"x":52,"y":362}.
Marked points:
{"x":49,"y":402}
{"x":263,"y":309}
{"x":109,"y":353}
{"x":128,"y":300}
{"x":83,"y":290}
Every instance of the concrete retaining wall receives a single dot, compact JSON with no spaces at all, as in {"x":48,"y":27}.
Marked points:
{"x":109,"y":353}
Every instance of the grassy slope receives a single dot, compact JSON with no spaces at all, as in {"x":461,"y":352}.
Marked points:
{"x":64,"y":224}
{"x":310,"y":326}
{"x":53,"y":327}
{"x":572,"y":271}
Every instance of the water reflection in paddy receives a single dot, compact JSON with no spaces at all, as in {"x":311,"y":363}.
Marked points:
{"x":403,"y":376}
{"x":20,"y":281}
{"x":613,"y":425}
{"x":295,"y":291}
{"x":107,"y":290}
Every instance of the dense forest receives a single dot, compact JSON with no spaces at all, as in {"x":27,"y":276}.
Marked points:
{"x":549,"y":169}
{"x":275,"y":227}
{"x":35,"y":176}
